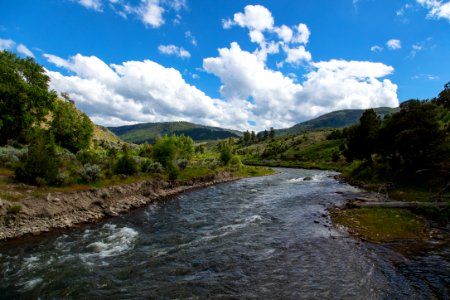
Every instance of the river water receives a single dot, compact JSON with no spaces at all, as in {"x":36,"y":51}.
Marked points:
{"x":258,"y":238}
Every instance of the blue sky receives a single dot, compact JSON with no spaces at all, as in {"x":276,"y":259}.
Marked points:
{"x":237,"y":64}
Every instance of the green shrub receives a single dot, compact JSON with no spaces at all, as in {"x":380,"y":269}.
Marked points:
{"x":172,"y":171}
{"x":126,"y":165}
{"x":10,"y":156}
{"x":182,"y":163}
{"x":40,"y":165}
{"x":90,"y":173}
{"x":15,"y":209}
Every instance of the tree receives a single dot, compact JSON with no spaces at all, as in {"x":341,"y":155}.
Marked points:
{"x":272,"y":133}
{"x":40,"y":165}
{"x":411,"y":136}
{"x":444,"y":96}
{"x":362,"y":140}
{"x":126,"y":165}
{"x":72,"y":128}
{"x":164,"y":150}
{"x":253,"y":136}
{"x":225,"y":152}
{"x":25,"y":99}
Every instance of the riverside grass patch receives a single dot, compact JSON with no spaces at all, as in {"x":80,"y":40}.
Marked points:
{"x":379,"y":225}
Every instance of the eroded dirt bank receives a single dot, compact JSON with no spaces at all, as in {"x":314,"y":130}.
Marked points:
{"x":65,"y":210}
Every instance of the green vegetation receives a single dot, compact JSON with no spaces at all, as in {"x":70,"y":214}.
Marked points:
{"x":381,"y":224}
{"x":15,"y":209}
{"x":72,"y":129}
{"x":24,"y":97}
{"x":335,"y":119}
{"x":149,"y":132}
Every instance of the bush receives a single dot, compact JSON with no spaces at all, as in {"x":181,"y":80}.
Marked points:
{"x":40,"y":165}
{"x":126,"y":165}
{"x":10,"y":156}
{"x":15,"y":209}
{"x":225,"y":152}
{"x":172,"y":171}
{"x":90,"y":173}
{"x":182,"y":163}
{"x":156,"y":167}
{"x":235,"y":162}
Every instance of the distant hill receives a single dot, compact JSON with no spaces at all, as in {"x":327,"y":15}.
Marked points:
{"x":335,"y":119}
{"x":148,"y":132}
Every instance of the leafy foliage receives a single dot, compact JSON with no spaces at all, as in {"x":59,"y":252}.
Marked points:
{"x":40,"y":165}
{"x":72,"y":129}
{"x":24,"y":96}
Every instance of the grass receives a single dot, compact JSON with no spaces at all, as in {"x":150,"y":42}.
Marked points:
{"x":15,"y":209}
{"x":10,"y":196}
{"x":381,"y":224}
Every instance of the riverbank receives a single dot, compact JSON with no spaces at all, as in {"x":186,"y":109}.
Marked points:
{"x":39,"y":214}
{"x":378,"y":217}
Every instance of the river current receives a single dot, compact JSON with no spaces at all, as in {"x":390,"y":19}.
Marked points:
{"x":258,"y":238}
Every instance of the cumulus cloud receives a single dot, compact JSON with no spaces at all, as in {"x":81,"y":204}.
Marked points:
{"x":394,"y":44}
{"x":302,"y":34}
{"x":21,"y":48}
{"x":251,"y":92}
{"x":137,"y":91}
{"x":297,"y":55}
{"x":6,"y":44}
{"x":151,"y":13}
{"x":437,"y":9}
{"x":91,"y":4}
{"x":174,"y":50}
{"x":278,"y":101}
{"x":255,"y":17}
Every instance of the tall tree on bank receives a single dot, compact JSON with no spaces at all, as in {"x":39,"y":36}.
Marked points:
{"x":73,"y":129}
{"x":363,"y":138}
{"x":25,"y":98}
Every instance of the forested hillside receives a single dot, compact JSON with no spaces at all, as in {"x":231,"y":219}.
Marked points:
{"x":149,"y":132}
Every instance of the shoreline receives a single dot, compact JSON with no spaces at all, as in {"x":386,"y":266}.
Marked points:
{"x":54,"y":211}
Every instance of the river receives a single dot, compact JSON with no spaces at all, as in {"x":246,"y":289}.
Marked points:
{"x":258,"y":238}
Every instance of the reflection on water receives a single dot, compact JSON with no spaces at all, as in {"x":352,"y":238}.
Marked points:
{"x":267,"y":237}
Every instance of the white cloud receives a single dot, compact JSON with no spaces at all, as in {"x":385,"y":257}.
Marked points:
{"x":137,"y":91}
{"x":255,"y":17}
{"x":21,"y":48}
{"x":285,"y":33}
{"x":425,"y":76}
{"x":151,"y":13}
{"x":376,"y":48}
{"x":191,"y":38}
{"x":174,"y":50}
{"x":437,"y":9}
{"x":302,"y":34}
{"x":91,"y":4}
{"x":6,"y":44}
{"x":420,"y":46}
{"x":394,"y":44}
{"x":297,"y":55}
{"x":279,"y":101}
{"x":144,"y":91}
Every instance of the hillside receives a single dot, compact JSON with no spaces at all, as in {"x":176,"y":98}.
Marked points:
{"x":148,"y":132}
{"x":335,"y":119}
{"x":102,"y":133}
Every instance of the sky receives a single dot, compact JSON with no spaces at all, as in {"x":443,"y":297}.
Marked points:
{"x":246,"y":65}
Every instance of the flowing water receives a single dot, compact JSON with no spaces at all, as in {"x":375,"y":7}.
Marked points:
{"x":258,"y":238}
